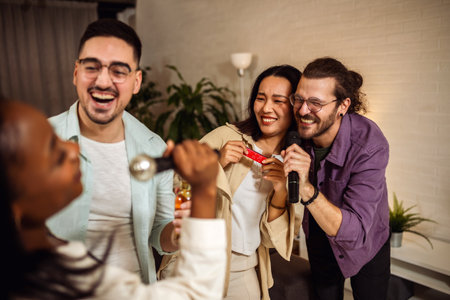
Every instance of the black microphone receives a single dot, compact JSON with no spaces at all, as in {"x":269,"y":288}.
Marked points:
{"x":143,"y":167}
{"x":292,"y":137}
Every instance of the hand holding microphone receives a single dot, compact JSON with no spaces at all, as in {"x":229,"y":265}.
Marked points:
{"x":195,"y":162}
{"x":293,"y":180}
{"x":297,"y":161}
{"x":143,"y":167}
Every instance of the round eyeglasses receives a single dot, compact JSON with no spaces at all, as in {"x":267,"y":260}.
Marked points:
{"x":314,"y":104}
{"x":91,"y":68}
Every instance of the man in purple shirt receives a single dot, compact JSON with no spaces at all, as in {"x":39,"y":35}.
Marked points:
{"x":341,"y":167}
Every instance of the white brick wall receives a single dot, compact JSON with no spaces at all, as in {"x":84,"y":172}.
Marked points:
{"x":401,"y":47}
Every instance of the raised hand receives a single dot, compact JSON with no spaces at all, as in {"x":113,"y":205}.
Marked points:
{"x":296,"y":159}
{"x":197,"y":164}
{"x":273,"y":170}
{"x":232,"y":152}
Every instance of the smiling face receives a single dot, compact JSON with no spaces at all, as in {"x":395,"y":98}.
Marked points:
{"x":46,"y":173}
{"x":321,"y":126}
{"x":103,"y":101}
{"x":272,"y":107}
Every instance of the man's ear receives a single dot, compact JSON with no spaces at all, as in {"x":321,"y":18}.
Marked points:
{"x":75,"y":74}
{"x":137,"y":82}
{"x":344,"y":106}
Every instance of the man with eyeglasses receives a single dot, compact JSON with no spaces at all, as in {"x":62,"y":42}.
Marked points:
{"x":106,"y":76}
{"x":341,"y":166}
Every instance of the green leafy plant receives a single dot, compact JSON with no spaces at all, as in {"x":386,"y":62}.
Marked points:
{"x":401,"y":219}
{"x":194,"y":110}
{"x":140,"y":103}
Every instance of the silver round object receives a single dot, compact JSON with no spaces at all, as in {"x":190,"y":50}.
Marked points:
{"x":142,"y":167}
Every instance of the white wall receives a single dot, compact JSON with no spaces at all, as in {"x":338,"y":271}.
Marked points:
{"x":401,"y":47}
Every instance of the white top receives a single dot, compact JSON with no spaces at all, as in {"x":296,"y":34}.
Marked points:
{"x":199,"y":273}
{"x":111,"y":204}
{"x":249,"y":203}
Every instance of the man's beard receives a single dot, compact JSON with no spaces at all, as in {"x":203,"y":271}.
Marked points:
{"x":98,"y":120}
{"x":324,"y":126}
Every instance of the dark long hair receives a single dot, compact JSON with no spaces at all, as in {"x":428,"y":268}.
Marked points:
{"x":42,"y":274}
{"x":250,"y":125}
{"x":348,"y":83}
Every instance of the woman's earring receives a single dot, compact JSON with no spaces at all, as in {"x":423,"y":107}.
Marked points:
{"x":341,"y":114}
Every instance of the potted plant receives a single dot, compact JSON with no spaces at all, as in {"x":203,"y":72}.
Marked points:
{"x":401,"y":219}
{"x":194,"y":110}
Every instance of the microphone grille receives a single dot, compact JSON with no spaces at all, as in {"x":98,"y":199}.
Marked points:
{"x":293,"y":137}
{"x":142,"y":167}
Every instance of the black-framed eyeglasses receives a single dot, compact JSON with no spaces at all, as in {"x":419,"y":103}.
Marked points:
{"x":91,"y":68}
{"x":314,"y":104}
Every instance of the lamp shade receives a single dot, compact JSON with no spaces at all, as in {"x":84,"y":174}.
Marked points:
{"x":241,"y":60}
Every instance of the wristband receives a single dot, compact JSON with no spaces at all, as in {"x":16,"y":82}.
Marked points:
{"x":306,"y":203}
{"x":277,"y":207}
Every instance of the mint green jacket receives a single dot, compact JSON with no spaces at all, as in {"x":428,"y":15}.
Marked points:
{"x":152,"y":201}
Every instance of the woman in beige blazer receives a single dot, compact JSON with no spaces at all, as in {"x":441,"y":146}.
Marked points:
{"x":252,"y":196}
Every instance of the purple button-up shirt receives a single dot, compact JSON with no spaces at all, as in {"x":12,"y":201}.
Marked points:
{"x":352,"y":177}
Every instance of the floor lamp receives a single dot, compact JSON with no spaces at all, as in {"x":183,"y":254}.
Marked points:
{"x":241,"y":61}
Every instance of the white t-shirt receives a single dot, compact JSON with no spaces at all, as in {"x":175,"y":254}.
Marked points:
{"x":111,"y":204}
{"x":249,"y":203}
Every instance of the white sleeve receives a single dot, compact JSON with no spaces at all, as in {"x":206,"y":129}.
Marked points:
{"x":199,"y":273}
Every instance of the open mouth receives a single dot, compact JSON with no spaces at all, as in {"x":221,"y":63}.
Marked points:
{"x":102,"y":98}
{"x":306,"y":121}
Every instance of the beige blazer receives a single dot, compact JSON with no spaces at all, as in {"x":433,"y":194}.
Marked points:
{"x":278,"y":234}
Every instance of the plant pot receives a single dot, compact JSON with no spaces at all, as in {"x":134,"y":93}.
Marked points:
{"x":396,"y":239}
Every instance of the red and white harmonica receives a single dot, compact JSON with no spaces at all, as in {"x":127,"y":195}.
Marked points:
{"x":255,"y":156}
